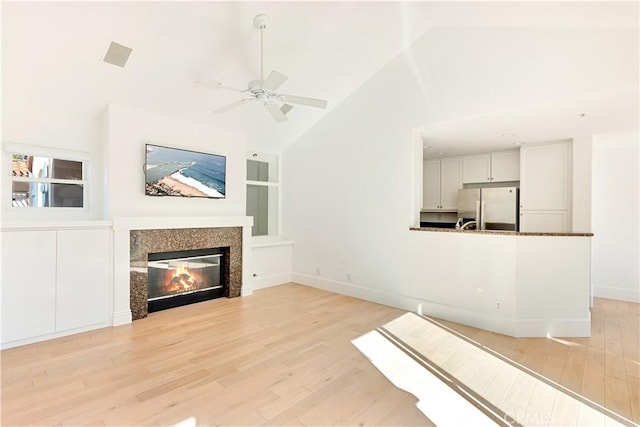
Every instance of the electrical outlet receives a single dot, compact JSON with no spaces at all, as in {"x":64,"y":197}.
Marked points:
{"x":348,"y":277}
{"x":317,"y":271}
{"x":497,"y":306}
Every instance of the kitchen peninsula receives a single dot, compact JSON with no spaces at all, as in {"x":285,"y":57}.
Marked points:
{"x":522,"y":284}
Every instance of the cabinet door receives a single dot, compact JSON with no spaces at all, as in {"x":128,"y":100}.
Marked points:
{"x":450,"y":182}
{"x":83,"y":278}
{"x":505,"y":166}
{"x":476,"y":168}
{"x":544,"y":221}
{"x":431,"y":184}
{"x":544,"y":177}
{"x":28,"y":284}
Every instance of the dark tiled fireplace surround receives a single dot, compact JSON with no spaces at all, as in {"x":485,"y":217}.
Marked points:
{"x":143,"y":242}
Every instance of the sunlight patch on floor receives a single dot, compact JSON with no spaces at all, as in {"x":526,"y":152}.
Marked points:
{"x":520,"y":395}
{"x":436,"y":400}
{"x":188,"y":422}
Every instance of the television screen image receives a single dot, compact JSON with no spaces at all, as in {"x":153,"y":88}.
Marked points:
{"x":184,"y":173}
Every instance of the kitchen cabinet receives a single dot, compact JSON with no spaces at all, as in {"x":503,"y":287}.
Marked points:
{"x":505,"y":166}
{"x":544,"y":221}
{"x":545,"y":187}
{"x":442,"y":178}
{"x":54,"y":282}
{"x":491,"y":167}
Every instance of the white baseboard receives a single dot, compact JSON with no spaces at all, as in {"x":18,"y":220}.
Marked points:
{"x":349,"y":289}
{"x":261,"y":282}
{"x":121,"y":318}
{"x":503,"y":325}
{"x":620,"y":294}
{"x":553,"y":328}
{"x":53,"y":335}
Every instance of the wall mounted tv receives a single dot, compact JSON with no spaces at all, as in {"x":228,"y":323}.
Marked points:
{"x":184,"y":173}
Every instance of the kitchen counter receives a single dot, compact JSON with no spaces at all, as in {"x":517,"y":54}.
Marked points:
{"x":503,"y":232}
{"x":531,"y":286}
{"x":499,"y":232}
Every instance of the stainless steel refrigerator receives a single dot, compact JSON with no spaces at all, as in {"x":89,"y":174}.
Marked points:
{"x":490,"y":208}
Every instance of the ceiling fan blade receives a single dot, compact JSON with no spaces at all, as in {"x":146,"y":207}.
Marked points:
{"x":214,"y":84}
{"x":274,"y":81}
{"x":301,"y":100}
{"x":276,"y":112}
{"x":286,"y":108}
{"x":234,"y":105}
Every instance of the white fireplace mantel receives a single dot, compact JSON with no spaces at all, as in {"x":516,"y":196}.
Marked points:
{"x":121,"y":311}
{"x":156,"y":222}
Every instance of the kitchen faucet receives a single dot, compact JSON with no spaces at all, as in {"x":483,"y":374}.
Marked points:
{"x":468,"y":224}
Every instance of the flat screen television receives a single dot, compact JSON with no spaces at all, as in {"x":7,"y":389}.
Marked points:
{"x":184,"y":173}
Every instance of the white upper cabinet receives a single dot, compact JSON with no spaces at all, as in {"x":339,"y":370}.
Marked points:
{"x":442,"y":178}
{"x":545,"y":188}
{"x":545,"y":177}
{"x":491,"y":167}
{"x":505,"y":166}
{"x":476,"y":168}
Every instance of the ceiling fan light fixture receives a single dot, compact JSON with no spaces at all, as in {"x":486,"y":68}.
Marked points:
{"x":261,"y":21}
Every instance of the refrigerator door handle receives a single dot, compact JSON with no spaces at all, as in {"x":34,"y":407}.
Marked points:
{"x":482,"y":209}
{"x":478,"y":214}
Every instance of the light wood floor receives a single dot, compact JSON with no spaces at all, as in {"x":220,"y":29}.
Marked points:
{"x":604,"y":368}
{"x":280,"y":357}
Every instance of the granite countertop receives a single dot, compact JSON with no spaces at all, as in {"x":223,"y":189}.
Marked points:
{"x":506,"y":233}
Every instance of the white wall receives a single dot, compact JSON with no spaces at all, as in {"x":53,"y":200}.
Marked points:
{"x":616,"y":217}
{"x":127,"y":132}
{"x":348,"y":183}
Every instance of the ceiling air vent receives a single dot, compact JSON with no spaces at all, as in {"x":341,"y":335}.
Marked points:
{"x":117,"y":54}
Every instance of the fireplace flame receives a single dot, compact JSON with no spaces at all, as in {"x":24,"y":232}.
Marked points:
{"x":180,"y":280}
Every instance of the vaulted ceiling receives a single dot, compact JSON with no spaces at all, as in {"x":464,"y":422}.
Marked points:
{"x":54,"y":78}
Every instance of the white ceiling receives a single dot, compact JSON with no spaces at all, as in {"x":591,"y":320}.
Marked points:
{"x":600,"y":113}
{"x":52,"y":54}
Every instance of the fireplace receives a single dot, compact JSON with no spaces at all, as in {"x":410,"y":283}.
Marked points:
{"x":151,"y":250}
{"x":184,"y":277}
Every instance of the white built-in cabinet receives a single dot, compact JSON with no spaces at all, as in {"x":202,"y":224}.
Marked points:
{"x":491,"y":167}
{"x":54,"y":282}
{"x":545,"y":187}
{"x":28,"y":284}
{"x":441,"y":180}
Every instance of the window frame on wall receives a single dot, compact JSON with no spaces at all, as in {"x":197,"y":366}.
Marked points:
{"x":34,"y":181}
{"x":269,"y":184}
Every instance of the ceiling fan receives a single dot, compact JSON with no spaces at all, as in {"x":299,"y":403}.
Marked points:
{"x":264,"y":91}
